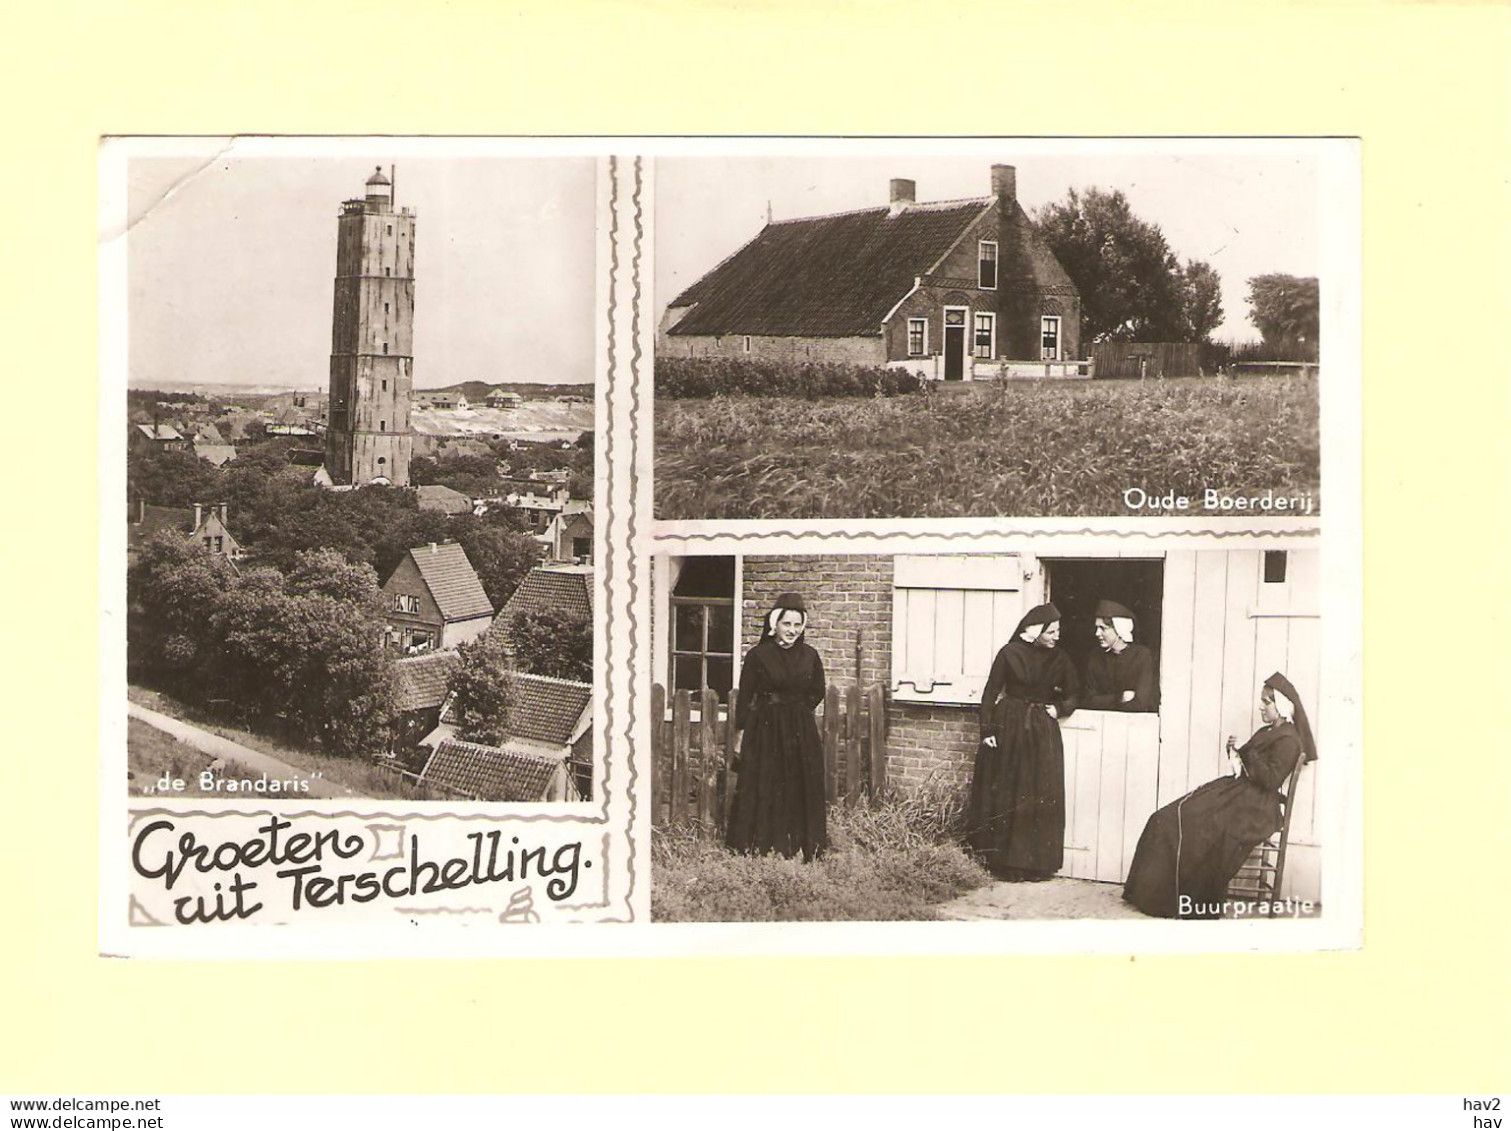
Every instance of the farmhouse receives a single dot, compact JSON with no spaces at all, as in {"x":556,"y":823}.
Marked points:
{"x":497,"y":773}
{"x":420,"y":688}
{"x":924,"y":630}
{"x":160,"y":437}
{"x":549,"y":719}
{"x":956,"y":288}
{"x":433,"y":600}
{"x":203,"y":524}
{"x":439,"y":497}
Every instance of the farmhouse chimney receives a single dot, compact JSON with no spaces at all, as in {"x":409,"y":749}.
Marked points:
{"x":433,"y":548}
{"x":1005,"y":186}
{"x":903,"y":193}
{"x":199,"y":513}
{"x":223,"y":508}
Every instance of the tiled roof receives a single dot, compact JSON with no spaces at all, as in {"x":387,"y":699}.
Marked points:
{"x":545,"y":709}
{"x":452,"y":581}
{"x":207,"y":433}
{"x":569,"y":592}
{"x":159,"y":432}
{"x":154,"y":518}
{"x":490,"y":773}
{"x":828,"y":276}
{"x":420,"y":681}
{"x":439,"y":497}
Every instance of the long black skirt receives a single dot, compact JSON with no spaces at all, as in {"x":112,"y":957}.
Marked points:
{"x":779,"y":793}
{"x":1016,"y":817}
{"x":1194,"y":846}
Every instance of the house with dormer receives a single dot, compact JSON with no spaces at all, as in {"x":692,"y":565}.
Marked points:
{"x":955,"y":289}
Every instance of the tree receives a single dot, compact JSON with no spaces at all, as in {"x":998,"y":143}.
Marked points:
{"x":500,"y":557}
{"x":1286,"y":309}
{"x":553,"y":643}
{"x":326,"y":573}
{"x":1201,"y":300}
{"x":172,"y":592}
{"x":170,"y":479}
{"x":1129,"y":280}
{"x":483,"y":690}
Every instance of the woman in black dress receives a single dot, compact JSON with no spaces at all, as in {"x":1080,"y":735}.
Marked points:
{"x":1192,"y":848}
{"x":1016,"y":819}
{"x":779,"y":793}
{"x":1120,"y":675}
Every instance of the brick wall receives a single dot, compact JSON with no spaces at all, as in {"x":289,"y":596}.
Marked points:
{"x":843,"y":351}
{"x":849,"y":599}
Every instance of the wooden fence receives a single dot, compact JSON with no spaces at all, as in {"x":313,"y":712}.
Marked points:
{"x":691,"y":749}
{"x":1146,"y":359}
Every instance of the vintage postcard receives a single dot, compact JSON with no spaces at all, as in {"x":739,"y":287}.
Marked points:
{"x":917,"y":544}
{"x":358,"y":618}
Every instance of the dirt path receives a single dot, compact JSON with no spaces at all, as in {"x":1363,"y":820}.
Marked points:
{"x":1059,"y":898}
{"x":217,"y":747}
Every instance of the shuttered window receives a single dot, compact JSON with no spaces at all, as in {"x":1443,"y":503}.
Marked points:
{"x":950,"y":615}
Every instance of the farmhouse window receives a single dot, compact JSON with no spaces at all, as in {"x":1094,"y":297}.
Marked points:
{"x":987,"y":265}
{"x":950,"y":615}
{"x":746,"y":345}
{"x":986,"y":336}
{"x":1274,"y":567}
{"x":406,"y":603}
{"x":1050,"y":337}
{"x":1076,"y":585}
{"x":703,"y":625}
{"x":918,"y":337}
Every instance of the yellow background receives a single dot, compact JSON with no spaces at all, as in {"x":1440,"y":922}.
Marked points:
{"x":1422,"y":1007}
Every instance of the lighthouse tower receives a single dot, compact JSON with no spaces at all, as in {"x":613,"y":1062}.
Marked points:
{"x":372,"y":341}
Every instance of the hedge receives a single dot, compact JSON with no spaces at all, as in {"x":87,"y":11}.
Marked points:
{"x":687,"y":377}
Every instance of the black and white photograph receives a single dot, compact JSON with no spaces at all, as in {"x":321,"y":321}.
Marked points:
{"x":359,"y":475}
{"x":1052,"y":732}
{"x":1038,"y":330}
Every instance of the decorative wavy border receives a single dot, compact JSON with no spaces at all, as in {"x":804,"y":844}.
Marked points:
{"x":950,"y":535}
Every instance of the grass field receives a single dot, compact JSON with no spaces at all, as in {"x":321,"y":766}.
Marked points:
{"x":357,"y":774}
{"x":150,"y":754}
{"x":1016,"y":448}
{"x":895,"y":861}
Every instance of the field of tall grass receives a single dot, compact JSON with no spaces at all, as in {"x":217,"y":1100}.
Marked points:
{"x":1005,"y":448}
{"x":894,"y":860}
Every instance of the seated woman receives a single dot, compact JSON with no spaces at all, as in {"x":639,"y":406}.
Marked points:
{"x":1120,"y":677}
{"x":1192,"y":848}
{"x":1016,"y":819}
{"x":779,"y":791}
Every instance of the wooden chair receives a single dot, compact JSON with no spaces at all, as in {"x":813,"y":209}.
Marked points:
{"x":1260,"y":877}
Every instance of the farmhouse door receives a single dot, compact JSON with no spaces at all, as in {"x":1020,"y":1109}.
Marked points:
{"x":954,"y":343}
{"x":1111,"y":787}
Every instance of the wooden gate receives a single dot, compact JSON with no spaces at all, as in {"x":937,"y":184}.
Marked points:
{"x":691,"y":749}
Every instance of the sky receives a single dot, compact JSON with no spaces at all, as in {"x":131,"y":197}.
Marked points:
{"x":231,"y":266}
{"x":1250,"y":209}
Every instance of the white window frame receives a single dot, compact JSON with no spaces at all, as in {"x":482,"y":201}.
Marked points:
{"x":996,"y":262}
{"x":951,"y":614}
{"x":992,"y":344}
{"x":924,"y":348}
{"x":1044,"y":323}
{"x":406,"y":603}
